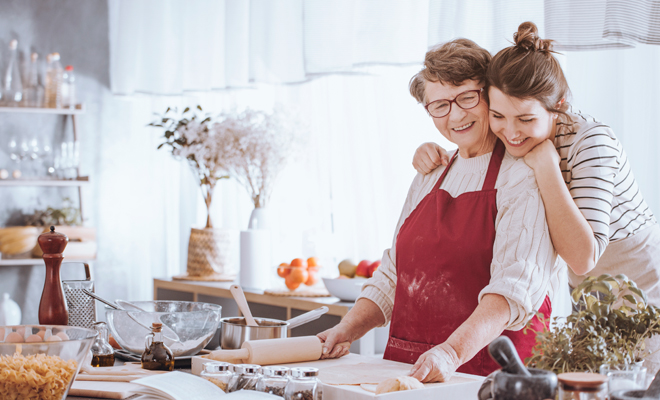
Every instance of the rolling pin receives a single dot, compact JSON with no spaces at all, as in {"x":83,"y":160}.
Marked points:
{"x":273,"y":351}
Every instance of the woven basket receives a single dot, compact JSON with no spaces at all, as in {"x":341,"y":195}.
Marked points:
{"x":209,"y":255}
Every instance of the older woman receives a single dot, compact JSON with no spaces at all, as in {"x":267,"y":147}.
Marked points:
{"x":472,"y":255}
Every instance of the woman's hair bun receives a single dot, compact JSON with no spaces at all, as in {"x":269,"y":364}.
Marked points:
{"x":527,"y":38}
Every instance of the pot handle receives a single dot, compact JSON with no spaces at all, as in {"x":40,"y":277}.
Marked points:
{"x":307,"y":317}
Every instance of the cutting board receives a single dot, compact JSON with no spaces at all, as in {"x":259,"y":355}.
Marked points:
{"x":104,"y":390}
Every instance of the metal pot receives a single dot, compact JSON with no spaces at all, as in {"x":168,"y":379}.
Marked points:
{"x":234,"y":331}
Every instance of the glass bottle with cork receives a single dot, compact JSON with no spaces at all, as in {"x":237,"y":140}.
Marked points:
{"x":157,"y":356}
{"x":102,"y":353}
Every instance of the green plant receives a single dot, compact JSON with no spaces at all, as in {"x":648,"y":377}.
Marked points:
{"x":66,"y":215}
{"x":609,"y":326}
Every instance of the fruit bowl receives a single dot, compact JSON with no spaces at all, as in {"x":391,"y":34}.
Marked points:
{"x":194,"y":324}
{"x":345,"y":289}
{"x":30,"y":353}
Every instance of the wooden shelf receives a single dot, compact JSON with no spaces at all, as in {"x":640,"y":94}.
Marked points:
{"x":81,"y":181}
{"x":80,"y":109}
{"x":35,"y":261}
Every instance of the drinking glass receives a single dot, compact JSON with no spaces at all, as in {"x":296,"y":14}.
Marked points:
{"x":624,"y":377}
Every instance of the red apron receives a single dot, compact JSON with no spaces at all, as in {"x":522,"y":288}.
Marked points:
{"x":443,"y":255}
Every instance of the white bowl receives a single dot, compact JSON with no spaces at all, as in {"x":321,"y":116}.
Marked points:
{"x":345,"y":289}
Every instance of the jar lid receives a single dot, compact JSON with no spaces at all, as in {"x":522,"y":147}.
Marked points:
{"x":275,"y":371}
{"x":304,"y":372}
{"x":587,"y":381}
{"x":247,"y":368}
{"x":216,"y":366}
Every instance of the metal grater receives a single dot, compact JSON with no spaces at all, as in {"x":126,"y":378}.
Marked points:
{"x":81,"y":307}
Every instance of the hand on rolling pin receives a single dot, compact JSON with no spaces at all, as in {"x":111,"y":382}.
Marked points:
{"x":436,"y":365}
{"x":336,"y":341}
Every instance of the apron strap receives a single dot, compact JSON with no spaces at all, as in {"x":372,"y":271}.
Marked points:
{"x":494,"y":166}
{"x":444,"y":173}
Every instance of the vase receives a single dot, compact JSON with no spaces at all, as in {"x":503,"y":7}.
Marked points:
{"x":256,"y":251}
{"x":209,"y":254}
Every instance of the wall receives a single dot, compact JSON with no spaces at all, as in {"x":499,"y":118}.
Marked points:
{"x":78,"y":30}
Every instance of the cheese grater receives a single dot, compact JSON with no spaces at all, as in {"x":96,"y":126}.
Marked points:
{"x":81,"y":307}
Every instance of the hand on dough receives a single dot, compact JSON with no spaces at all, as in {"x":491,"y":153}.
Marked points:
{"x":436,"y":365}
{"x":397,"y":384}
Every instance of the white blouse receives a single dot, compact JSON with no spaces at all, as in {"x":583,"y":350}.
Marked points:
{"x":524,"y":268}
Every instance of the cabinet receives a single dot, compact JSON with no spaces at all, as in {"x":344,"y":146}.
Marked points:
{"x":79,"y":182}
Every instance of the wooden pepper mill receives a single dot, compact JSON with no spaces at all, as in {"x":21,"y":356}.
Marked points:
{"x":52,"y":308}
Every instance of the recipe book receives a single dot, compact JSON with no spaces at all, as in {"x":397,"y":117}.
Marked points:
{"x":183,"y":386}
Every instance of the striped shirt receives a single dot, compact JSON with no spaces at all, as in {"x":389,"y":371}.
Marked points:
{"x":600,"y":180}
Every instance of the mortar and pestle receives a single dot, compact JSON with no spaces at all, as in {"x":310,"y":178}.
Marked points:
{"x":514,"y":381}
{"x":652,"y":393}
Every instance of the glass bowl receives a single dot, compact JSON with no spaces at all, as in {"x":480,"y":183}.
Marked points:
{"x":23,"y":350}
{"x":192,"y":323}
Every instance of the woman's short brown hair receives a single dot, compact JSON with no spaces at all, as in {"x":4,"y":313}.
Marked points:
{"x":452,"y":62}
{"x":529,"y":70}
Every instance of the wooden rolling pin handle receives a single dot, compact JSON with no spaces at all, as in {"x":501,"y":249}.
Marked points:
{"x":229,"y":355}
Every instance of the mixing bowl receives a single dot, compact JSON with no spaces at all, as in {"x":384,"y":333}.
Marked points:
{"x":24,"y":353}
{"x":193,"y":323}
{"x":345,"y":289}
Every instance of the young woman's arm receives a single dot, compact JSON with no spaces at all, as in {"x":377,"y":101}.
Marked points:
{"x":578,"y":215}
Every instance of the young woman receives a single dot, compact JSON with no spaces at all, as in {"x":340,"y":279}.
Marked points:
{"x":598,"y":219}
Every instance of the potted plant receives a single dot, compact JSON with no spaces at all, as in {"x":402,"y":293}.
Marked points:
{"x":189,"y":136}
{"x":611,"y":322}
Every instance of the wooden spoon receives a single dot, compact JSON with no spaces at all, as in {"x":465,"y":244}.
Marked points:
{"x":239,"y":297}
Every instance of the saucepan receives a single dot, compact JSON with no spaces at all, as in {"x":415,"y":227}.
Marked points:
{"x":235,"y":330}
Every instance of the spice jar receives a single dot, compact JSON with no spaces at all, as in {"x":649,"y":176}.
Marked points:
{"x":582,"y":386}
{"x":218,"y":373}
{"x":273,"y":380}
{"x":245,"y":377}
{"x":304,"y":385}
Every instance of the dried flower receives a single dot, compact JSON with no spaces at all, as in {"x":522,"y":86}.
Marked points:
{"x":257,"y":147}
{"x":189,"y":137}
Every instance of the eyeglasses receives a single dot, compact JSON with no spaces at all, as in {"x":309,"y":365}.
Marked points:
{"x":466,"y":100}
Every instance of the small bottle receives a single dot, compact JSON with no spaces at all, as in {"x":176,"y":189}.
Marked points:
{"x":218,"y":373}
{"x":157,"y":356}
{"x":304,"y":385}
{"x":34,"y":96}
{"x":12,"y":88}
{"x":582,"y":386}
{"x":245,"y":377}
{"x":273,"y":380}
{"x":102,"y":353}
{"x":54,"y":72}
{"x":68,"y":88}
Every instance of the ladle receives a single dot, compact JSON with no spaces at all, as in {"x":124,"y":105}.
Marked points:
{"x":174,"y":338}
{"x":239,"y":297}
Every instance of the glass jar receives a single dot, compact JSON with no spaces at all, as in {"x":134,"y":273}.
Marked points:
{"x":273,"y":380}
{"x":218,"y":373}
{"x":304,"y":385}
{"x":582,"y":386}
{"x":103,"y":355}
{"x":245,"y":377}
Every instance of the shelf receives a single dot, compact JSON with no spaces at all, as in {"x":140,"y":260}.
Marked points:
{"x":80,"y":109}
{"x":35,"y":261}
{"x":81,"y":181}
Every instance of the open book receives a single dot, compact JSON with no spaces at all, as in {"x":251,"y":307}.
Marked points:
{"x":183,"y":386}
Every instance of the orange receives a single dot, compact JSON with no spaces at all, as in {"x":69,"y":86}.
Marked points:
{"x":312,"y":262}
{"x":292,"y":285}
{"x":313,"y":278}
{"x":283,"y":270}
{"x":298,"y":262}
{"x":298,"y":275}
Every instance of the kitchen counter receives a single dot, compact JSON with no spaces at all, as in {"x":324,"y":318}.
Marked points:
{"x":268,"y":306}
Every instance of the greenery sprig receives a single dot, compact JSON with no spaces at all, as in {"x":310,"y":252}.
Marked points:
{"x":609,"y":326}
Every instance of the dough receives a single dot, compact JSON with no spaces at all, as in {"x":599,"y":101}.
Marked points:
{"x":398,"y":384}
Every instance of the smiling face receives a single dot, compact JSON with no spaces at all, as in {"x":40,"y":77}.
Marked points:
{"x":468,"y":129}
{"x":520,"y":124}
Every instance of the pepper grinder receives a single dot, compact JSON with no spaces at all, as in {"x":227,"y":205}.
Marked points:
{"x":52,"y":308}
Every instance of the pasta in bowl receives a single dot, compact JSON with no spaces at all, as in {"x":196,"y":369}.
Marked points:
{"x":41,"y":361}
